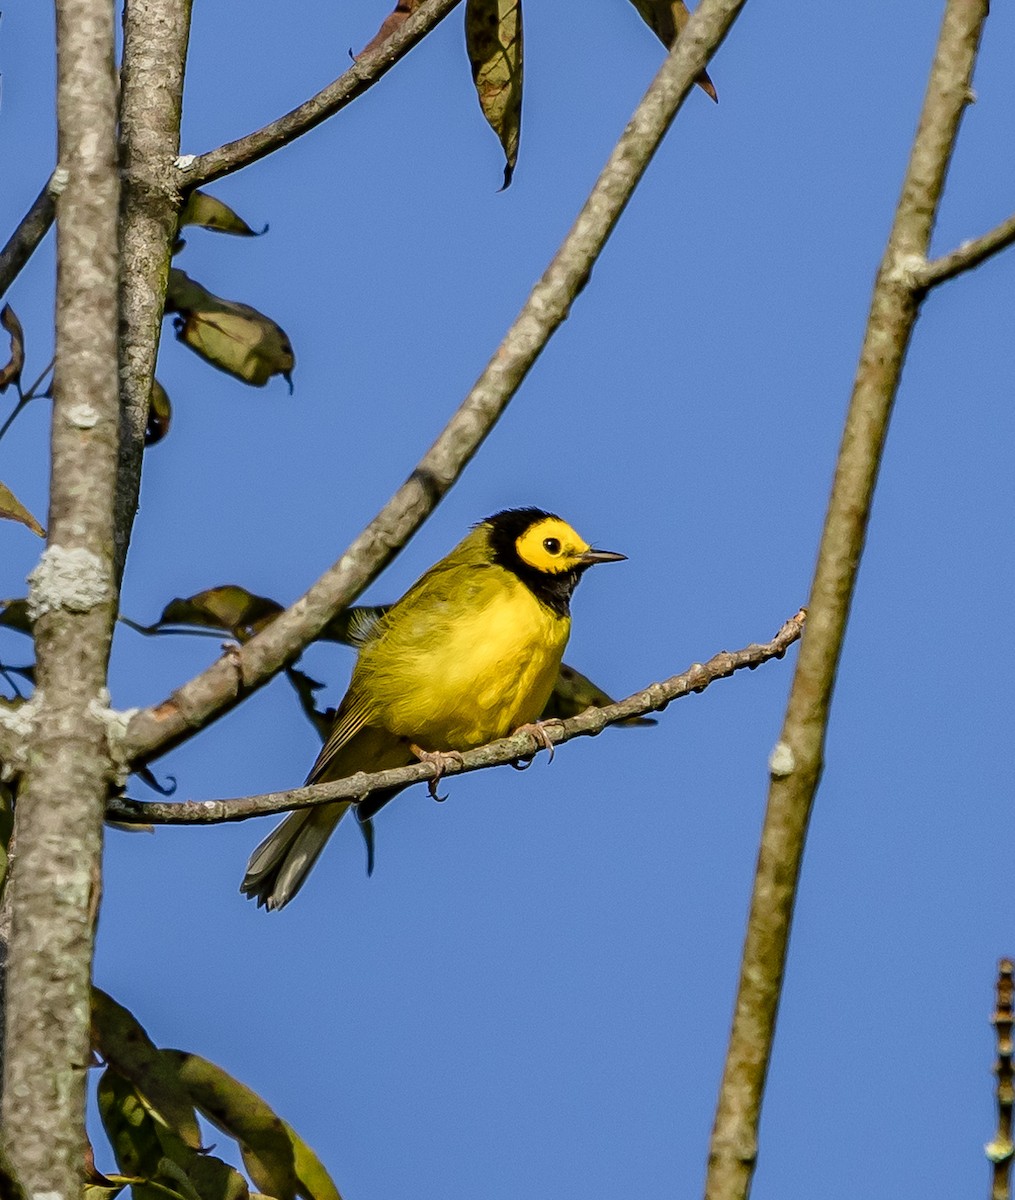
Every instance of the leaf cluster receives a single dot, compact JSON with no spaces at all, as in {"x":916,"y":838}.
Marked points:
{"x":149,"y":1100}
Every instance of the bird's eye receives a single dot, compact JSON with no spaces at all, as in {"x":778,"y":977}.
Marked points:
{"x":551,"y":545}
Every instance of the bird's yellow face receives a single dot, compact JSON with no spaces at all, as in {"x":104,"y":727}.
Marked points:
{"x":550,"y":545}
{"x":543,"y":552}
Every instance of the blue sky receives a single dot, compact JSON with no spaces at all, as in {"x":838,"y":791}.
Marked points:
{"x":532,"y":994}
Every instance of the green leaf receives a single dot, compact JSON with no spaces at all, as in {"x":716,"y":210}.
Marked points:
{"x":210,"y":213}
{"x":278,"y":1159}
{"x":231,"y":336}
{"x":123,"y":1043}
{"x":131,"y":1130}
{"x":232,"y":1107}
{"x":160,"y":414}
{"x":315,"y":1182}
{"x":156,"y":1164}
{"x":14,"y":615}
{"x":214,"y":1179}
{"x":13,"y":510}
{"x":493,"y":38}
{"x":228,"y":608}
{"x":109,"y":1190}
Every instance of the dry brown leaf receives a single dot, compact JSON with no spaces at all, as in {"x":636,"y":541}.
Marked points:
{"x":493,"y":37}
{"x":11,"y":373}
{"x":12,"y":508}
{"x":403,"y":9}
{"x":666,"y":18}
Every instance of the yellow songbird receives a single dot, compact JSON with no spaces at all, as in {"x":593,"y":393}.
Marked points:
{"x":469,"y":654}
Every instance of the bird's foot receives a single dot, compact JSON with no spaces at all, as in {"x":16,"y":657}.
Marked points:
{"x":536,"y":730}
{"x":440,"y":760}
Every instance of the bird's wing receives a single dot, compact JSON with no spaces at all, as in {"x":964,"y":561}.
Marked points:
{"x":350,"y":719}
{"x":363,"y":623}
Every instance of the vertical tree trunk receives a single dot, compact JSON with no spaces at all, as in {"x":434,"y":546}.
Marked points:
{"x":58,"y":827}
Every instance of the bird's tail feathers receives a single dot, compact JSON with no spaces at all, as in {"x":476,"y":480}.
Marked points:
{"x":280,"y":864}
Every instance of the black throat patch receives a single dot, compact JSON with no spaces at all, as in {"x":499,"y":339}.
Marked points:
{"x":553,"y":590}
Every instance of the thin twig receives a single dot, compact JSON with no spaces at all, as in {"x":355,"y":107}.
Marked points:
{"x":25,"y":398}
{"x":797,"y":759}
{"x":219,"y":688}
{"x":593,"y":721}
{"x":968,"y":255}
{"x":1001,"y":1149}
{"x":205,"y":168}
{"x":33,"y":228}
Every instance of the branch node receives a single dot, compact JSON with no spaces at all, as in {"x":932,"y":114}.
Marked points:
{"x":907,"y":269}
{"x":115,"y":723}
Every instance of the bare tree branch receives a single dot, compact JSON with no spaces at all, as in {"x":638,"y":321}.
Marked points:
{"x":33,"y":228}
{"x":216,"y":690}
{"x":365,"y":72}
{"x":593,"y":721}
{"x":968,"y":255}
{"x":60,"y":808}
{"x":1001,"y":1150}
{"x":797,"y":758}
{"x":155,"y":37}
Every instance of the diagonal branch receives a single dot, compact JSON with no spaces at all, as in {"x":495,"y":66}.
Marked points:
{"x":153,"y":731}
{"x":797,"y":759}
{"x":33,"y":228}
{"x":969,"y":255}
{"x":367,"y":69}
{"x":593,"y":721}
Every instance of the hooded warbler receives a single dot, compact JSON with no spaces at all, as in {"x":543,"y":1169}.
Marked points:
{"x":470,"y":653}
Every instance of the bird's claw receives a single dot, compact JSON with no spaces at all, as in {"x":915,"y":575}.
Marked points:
{"x":536,"y":730}
{"x":438,"y":759}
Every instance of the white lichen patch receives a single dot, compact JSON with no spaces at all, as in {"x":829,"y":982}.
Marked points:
{"x":115,"y":722}
{"x":82,"y":416}
{"x":781,"y":762}
{"x":76,"y":580}
{"x":18,"y":718}
{"x":185,"y":161}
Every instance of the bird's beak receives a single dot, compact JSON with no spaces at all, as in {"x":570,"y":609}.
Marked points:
{"x":591,"y":557}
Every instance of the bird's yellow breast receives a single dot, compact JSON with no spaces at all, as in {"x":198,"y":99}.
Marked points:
{"x":467,"y":666}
